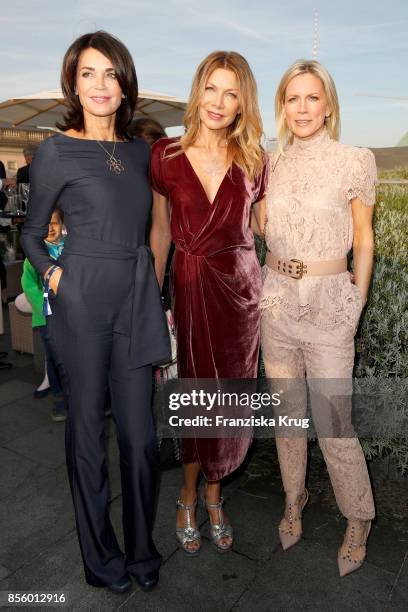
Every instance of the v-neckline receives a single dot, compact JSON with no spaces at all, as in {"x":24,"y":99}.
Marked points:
{"x":211,"y":204}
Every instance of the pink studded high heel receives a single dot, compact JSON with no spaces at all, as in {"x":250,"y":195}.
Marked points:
{"x":352,"y":552}
{"x":290,"y":528}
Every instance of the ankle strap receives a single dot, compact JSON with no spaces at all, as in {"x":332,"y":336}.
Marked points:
{"x":184,"y":506}
{"x":215,"y":506}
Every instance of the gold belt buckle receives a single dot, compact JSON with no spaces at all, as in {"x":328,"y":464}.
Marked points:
{"x":301,"y":268}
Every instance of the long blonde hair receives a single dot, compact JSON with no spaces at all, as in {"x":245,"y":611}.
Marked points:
{"x":244,"y":134}
{"x":332,"y":122}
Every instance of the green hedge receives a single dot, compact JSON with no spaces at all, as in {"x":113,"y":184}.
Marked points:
{"x":382,"y":338}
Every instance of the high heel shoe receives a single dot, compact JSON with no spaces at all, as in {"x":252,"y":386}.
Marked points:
{"x":220,"y":530}
{"x":292,"y":516}
{"x":352,"y":552}
{"x":188,"y":535}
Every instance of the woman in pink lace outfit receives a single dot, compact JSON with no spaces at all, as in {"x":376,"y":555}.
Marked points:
{"x":319,"y":206}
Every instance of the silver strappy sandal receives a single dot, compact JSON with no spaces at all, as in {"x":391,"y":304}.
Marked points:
{"x":189,"y":534}
{"x":219,"y":530}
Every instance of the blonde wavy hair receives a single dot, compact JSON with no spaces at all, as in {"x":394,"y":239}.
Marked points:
{"x":301,"y":66}
{"x":244,"y":134}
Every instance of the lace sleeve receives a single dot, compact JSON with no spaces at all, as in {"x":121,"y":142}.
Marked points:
{"x":363,"y":177}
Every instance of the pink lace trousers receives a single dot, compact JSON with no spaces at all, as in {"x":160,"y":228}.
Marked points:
{"x":290,"y":350}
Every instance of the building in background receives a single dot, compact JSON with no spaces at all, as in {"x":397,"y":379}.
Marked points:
{"x":12,"y":143}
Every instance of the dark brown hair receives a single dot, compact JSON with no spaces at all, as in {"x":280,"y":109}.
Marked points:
{"x":146,"y":128}
{"x":115,"y":50}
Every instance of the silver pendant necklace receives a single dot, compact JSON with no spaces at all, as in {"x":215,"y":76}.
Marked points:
{"x":114,"y":164}
{"x":214,"y":168}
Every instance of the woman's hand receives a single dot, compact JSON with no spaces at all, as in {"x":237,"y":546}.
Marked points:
{"x":55,"y":280}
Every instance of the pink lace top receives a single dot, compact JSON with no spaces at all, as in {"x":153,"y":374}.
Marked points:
{"x":309,"y":218}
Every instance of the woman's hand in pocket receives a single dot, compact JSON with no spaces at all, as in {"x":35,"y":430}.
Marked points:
{"x":55,"y":280}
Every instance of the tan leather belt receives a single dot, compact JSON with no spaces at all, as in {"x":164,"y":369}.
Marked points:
{"x":295,"y":268}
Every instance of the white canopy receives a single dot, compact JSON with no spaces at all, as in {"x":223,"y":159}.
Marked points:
{"x":45,"y":108}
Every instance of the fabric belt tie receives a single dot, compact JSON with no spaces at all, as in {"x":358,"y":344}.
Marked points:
{"x":149,"y":337}
{"x":296,"y":268}
{"x":227,"y":250}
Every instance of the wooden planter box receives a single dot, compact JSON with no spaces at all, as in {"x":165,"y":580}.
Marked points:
{"x":21,"y":330}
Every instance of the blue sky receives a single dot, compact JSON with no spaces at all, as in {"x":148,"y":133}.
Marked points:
{"x":364,"y":44}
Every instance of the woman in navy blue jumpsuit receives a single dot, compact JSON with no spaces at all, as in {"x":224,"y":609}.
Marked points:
{"x":107,"y":325}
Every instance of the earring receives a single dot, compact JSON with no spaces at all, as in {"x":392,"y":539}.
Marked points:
{"x":123,"y":97}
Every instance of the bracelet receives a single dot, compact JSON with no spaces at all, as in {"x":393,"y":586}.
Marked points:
{"x":46,"y":304}
{"x":50,"y":273}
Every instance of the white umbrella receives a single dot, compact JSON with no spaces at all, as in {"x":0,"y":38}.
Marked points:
{"x":45,"y":108}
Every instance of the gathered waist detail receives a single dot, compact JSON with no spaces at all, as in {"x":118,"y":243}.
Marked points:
{"x":92,"y":247}
{"x":149,"y":337}
{"x":324,"y":300}
{"x":225,"y":251}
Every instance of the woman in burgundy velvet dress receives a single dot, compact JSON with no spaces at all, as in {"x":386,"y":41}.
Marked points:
{"x":206,"y":186}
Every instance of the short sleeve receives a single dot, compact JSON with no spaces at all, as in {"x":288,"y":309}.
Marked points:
{"x":362,"y":177}
{"x":262,"y":182}
{"x":157,"y":163}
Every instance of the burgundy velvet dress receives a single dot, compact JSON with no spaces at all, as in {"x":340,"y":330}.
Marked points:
{"x":216,"y":286}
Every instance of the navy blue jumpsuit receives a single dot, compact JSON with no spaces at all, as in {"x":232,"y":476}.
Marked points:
{"x":107,"y":328}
